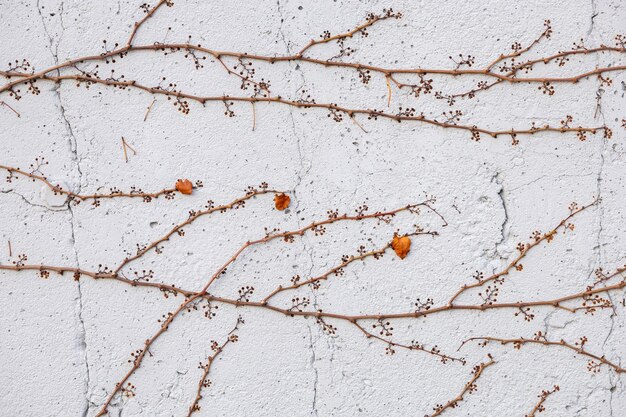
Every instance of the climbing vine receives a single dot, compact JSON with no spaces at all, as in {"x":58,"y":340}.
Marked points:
{"x":479,"y":295}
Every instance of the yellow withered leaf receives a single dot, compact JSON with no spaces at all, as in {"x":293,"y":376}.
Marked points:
{"x":401,"y":245}
{"x":281,"y":201}
{"x":184,"y":186}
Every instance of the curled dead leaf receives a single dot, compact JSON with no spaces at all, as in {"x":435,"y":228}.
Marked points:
{"x":401,"y":245}
{"x":281,"y":201}
{"x":184,"y":186}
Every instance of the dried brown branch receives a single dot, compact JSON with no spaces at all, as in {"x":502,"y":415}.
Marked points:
{"x":149,"y":14}
{"x":371,"y":20}
{"x":338,"y":270}
{"x":206,"y":367}
{"x":387,"y":72}
{"x":518,"y":50}
{"x":76,"y":198}
{"x":336,"y":109}
{"x":539,"y":407}
{"x":469,"y":388}
{"x":554,"y":303}
{"x":318,"y":227}
{"x":125,"y":145}
{"x":193,"y":216}
{"x":4,"y":103}
{"x":262,"y":93}
{"x":539,"y":339}
{"x":139,"y":355}
{"x":145,"y":117}
{"x":503,"y":70}
{"x":415,"y":345}
{"x":192,"y":296}
{"x":524,"y":249}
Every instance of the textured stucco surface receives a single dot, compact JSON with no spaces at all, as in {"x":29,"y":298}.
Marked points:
{"x":64,"y":344}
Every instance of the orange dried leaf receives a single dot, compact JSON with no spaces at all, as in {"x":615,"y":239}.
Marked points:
{"x":402,"y":246}
{"x":281,"y":201}
{"x":184,"y":186}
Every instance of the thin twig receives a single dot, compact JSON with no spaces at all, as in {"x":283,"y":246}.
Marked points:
{"x":126,"y":145}
{"x":524,"y":250}
{"x":539,"y":407}
{"x":470,"y":387}
{"x":83,"y":197}
{"x":3,"y":103}
{"x":217,"y":349}
{"x":148,"y":110}
{"x":518,"y":342}
{"x":350,"y":112}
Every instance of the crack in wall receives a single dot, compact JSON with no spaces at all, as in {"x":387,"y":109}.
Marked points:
{"x":599,"y":114}
{"x":55,"y":52}
{"x":301,"y":175}
{"x":30,"y":203}
{"x":315,"y":373}
{"x":83,"y":330}
{"x":73,"y":147}
{"x":305,"y":168}
{"x":504,"y":227}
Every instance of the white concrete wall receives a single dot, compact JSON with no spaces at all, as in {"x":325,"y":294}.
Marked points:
{"x":64,"y":344}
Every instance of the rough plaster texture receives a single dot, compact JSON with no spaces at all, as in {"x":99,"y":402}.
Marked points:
{"x":64,"y":344}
